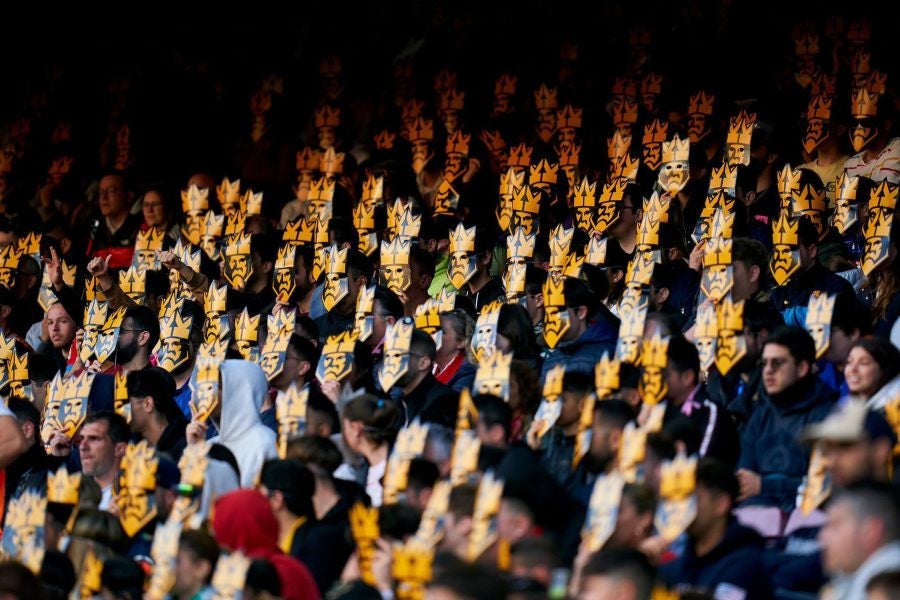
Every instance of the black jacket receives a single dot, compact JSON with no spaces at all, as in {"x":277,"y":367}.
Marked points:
{"x":432,"y":402}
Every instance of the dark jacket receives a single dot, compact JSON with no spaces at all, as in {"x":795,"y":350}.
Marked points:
{"x":770,"y":444}
{"x":585,"y":352}
{"x":737,"y":392}
{"x":492,"y":290}
{"x":325,"y":545}
{"x":735,"y":565}
{"x":716,"y":434}
{"x":792,"y":298}
{"x":173,"y":440}
{"x":432,"y":402}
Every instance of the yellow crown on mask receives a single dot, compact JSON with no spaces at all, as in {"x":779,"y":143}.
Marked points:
{"x":235,"y":223}
{"x":331,"y":162}
{"x":458,"y":143}
{"x":150,"y":240}
{"x":321,"y":190}
{"x":806,"y":43}
{"x":884,"y":196}
{"x":821,"y":307}
{"x":384,"y":140}
{"x":606,"y":375}
{"x":846,"y":187}
{"x":569,"y":117}
{"x":246,"y":328}
{"x":214,"y":302}
{"x":251,"y":202}
{"x":520,"y":156}
{"x":395,"y":252}
{"x":95,"y":314}
{"x":133,"y":282}
{"x":655,"y":132}
{"x":554,"y":292}
{"x":545,"y":98}
{"x":569,"y":155}
{"x":859,"y":32}
{"x":740,"y":130}
{"x":510,"y":180}
{"x":613,"y":190}
{"x":864,"y":104}
{"x":493,"y":140}
{"x":707,"y":323}
{"x":525,"y":200}
{"x":399,"y":337}
{"x":648,"y":231}
{"x":445,"y":79}
{"x":860,"y":62}
{"x":238,"y":245}
{"x":625,"y":112}
{"x":784,"y":231}
{"x":560,"y":242}
{"x":618,"y":145}
{"x":63,"y":488}
{"x":451,"y":100}
{"x":306,"y":160}
{"x":823,"y":85}
{"x":678,"y":477}
{"x":408,"y":225}
{"x":342,"y":343}
{"x":411,"y":109}
{"x":676,"y":150}
{"x":373,"y":190}
{"x":364,"y":217}
{"x":462,"y":239}
{"x":701,"y":103}
{"x":420,"y":130}
{"x":595,"y":252}
{"x":285,"y":260}
{"x":878,"y":224}
{"x":624,"y":86}
{"x":723,"y":177}
{"x":494,"y":366}
{"x":640,"y":269}
{"x":585,"y":194}
{"x":718,"y":252}
{"x":543,"y":173}
{"x":213,"y":225}
{"x":299,"y":231}
{"x":877,"y":82}
{"x":176,"y":326}
{"x":788,"y":181}
{"x":819,"y":108}
{"x":139,"y":466}
{"x":18,"y":367}
{"x":30,"y":244}
{"x":520,"y":246}
{"x":229,"y":192}
{"x":808,"y":200}
{"x":731,"y":315}
{"x":9,"y":258}
{"x":651,"y":84}
{"x":654,"y":351}
{"x":506,"y":85}
{"x":337,"y":260}
{"x":328,"y":116}
{"x":195,"y":199}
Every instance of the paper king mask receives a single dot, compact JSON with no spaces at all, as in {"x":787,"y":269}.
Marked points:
{"x":23,"y":531}
{"x":283,"y":281}
{"x":785,"y":259}
{"x":463,"y":260}
{"x":108,"y":337}
{"x":336,"y":362}
{"x":73,"y":408}
{"x":174,"y":344}
{"x":700,"y":108}
{"x":509,"y":181}
{"x":133,"y":283}
{"x":9,"y":265}
{"x":336,"y":284}
{"x":846,"y":211}
{"x":556,"y":315}
{"x":290,"y":413}
{"x":457,"y":156}
{"x":395,"y":273}
{"x":675,"y":171}
{"x":818,"y":123}
{"x":205,"y":382}
{"x":94,"y":320}
{"x":364,"y":320}
{"x":364,"y":221}
{"x":213,"y":227}
{"x":568,"y":121}
{"x":147,"y":244}
{"x":718,"y":274}
{"x":812,"y":203}
{"x":397,"y":341}
{"x":420,"y":134}
{"x":492,"y":376}
{"x":121,"y":402}
{"x":320,"y":199}
{"x":818,"y":320}
{"x":878,"y":239}
{"x":526,"y":207}
{"x":504,"y":91}
{"x":238,"y":264}
{"x":731,"y":346}
{"x":655,"y":134}
{"x":864,"y":127}
{"x":584,"y":201}
{"x":280,"y":329}
{"x":737,"y":144}
{"x":633,"y":313}
{"x":654,"y":360}
{"x":246,"y":335}
{"x":136,"y":500}
{"x":546,"y":104}
{"x":496,"y":145}
{"x":194,"y":204}
{"x":705,"y":334}
{"x":484,"y":340}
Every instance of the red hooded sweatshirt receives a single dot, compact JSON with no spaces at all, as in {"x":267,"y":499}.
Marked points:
{"x":243,"y":520}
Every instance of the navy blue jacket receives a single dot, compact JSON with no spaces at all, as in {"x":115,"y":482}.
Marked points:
{"x":736,"y":563}
{"x":770,"y":442}
{"x":585,"y":352}
{"x":792,"y":298}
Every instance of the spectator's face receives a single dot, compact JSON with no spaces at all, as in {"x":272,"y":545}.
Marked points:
{"x":602,"y":587}
{"x":7,"y":238}
{"x":841,"y":539}
{"x":862,"y":373}
{"x":746,"y":281}
{"x":60,"y":327}
{"x":851,"y":462}
{"x":98,"y":453}
{"x":113,"y":198}
{"x":154,"y":209}
{"x":190,"y":573}
{"x":780,"y":371}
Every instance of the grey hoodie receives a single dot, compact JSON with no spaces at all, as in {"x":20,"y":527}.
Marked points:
{"x":244,"y":388}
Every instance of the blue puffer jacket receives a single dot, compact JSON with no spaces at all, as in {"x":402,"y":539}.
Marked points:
{"x":770,"y":442}
{"x":585,"y":352}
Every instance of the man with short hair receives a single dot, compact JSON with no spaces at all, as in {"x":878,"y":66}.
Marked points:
{"x":102,"y":441}
{"x":29,"y":470}
{"x":424,"y":397}
{"x":387,"y":309}
{"x":773,"y":462}
{"x":750,"y":263}
{"x":558,"y":444}
{"x":481,"y":287}
{"x":722,"y":558}
{"x":154,"y":415}
{"x":61,"y":326}
{"x":861,"y":538}
{"x":341,"y":316}
{"x":113,"y":234}
{"x":622,"y":574}
{"x":138,"y":335}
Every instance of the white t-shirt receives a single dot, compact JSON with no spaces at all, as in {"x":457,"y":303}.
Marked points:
{"x":373,"y":483}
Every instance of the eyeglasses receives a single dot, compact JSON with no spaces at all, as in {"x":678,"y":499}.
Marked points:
{"x":776,"y":363}
{"x":108,"y":191}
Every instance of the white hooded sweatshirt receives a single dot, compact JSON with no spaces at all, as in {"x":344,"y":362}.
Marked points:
{"x":244,"y":387}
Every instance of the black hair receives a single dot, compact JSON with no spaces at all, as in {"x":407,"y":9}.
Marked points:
{"x":750,"y":252}
{"x":470,"y":582}
{"x":577,"y":294}
{"x":761,"y":316}
{"x":422,"y":343}
{"x":715,"y":475}
{"x":515,"y":325}
{"x":202,"y":545}
{"x":387,"y":300}
{"x":578,"y":382}
{"x":534,"y":279}
{"x":262,"y":576}
{"x":319,"y":403}
{"x":123,"y":577}
{"x":159,"y":385}
{"x":494,"y":411}
{"x":379,"y":417}
{"x":617,"y":412}
{"x":423,"y":474}
{"x":423,"y":259}
{"x":683,"y":355}
{"x":264,"y":246}
{"x":343,"y":232}
{"x":294,"y":481}
{"x":798,"y":342}
{"x":316,"y":451}
{"x":118,"y":429}
{"x":630,"y":565}
{"x":24,"y":411}
{"x":359,"y":265}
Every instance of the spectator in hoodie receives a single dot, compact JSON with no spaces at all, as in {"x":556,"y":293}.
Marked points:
{"x":592,"y":331}
{"x":861,"y":538}
{"x":721,"y":558}
{"x":243,"y":520}
{"x":773,"y":461}
{"x":237,"y":419}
